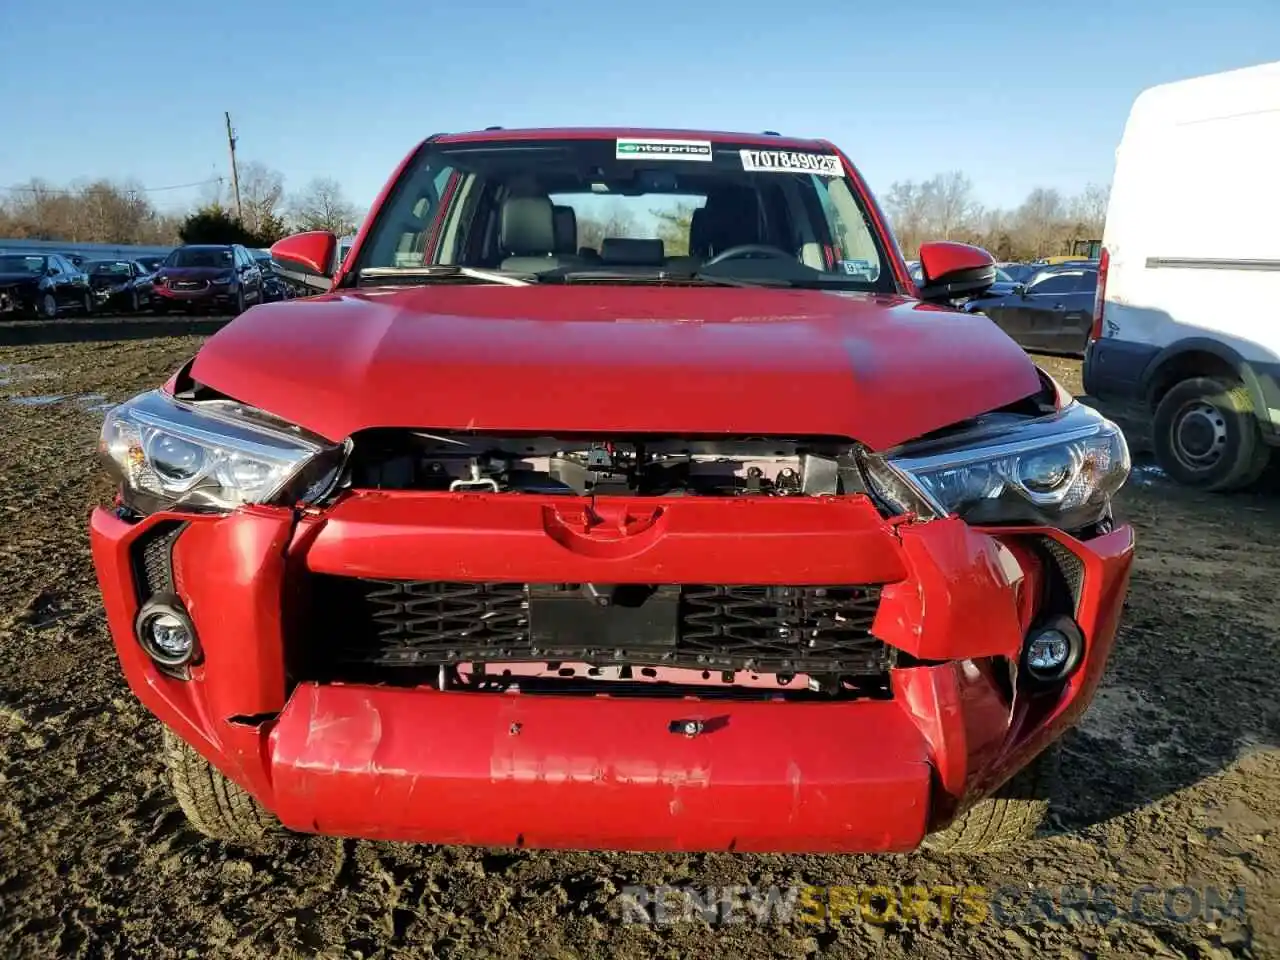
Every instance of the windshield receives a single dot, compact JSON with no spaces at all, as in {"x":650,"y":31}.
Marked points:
{"x":200,"y":257}
{"x":605,"y":209}
{"x":21,"y":264}
{"x":109,"y":267}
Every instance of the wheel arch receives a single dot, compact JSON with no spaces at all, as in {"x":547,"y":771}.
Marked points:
{"x":1203,"y":357}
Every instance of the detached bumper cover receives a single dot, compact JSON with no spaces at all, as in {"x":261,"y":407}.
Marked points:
{"x":607,"y":772}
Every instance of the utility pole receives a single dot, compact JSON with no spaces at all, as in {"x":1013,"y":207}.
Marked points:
{"x":235,"y":174}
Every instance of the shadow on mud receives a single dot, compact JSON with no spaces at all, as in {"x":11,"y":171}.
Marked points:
{"x":1190,"y":685}
{"x":39,"y":332}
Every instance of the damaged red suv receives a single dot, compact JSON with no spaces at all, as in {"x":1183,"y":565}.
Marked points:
{"x":623,"y":491}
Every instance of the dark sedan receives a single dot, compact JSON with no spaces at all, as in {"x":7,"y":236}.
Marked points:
{"x":1019,"y":272}
{"x":42,"y":285}
{"x":1051,"y":314}
{"x":120,"y":284}
{"x":274,"y":287}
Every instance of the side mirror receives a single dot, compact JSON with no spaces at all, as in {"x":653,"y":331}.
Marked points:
{"x":1020,"y":289}
{"x":953,"y":270}
{"x":307,"y":258}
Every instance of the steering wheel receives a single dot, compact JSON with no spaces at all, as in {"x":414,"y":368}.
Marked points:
{"x":747,"y":250}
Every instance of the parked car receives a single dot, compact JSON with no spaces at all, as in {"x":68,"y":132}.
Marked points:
{"x":208,"y":276}
{"x":1018,"y":272}
{"x":274,"y":287}
{"x":120,"y":284}
{"x":1051,"y":314}
{"x":1185,"y":333}
{"x":734,"y":549}
{"x":42,"y":285}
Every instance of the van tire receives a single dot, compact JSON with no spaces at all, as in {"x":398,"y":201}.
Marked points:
{"x":1196,"y":409}
{"x":1009,"y":817}
{"x":214,"y":805}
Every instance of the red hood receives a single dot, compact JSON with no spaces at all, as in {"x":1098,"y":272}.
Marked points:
{"x":617,"y":359}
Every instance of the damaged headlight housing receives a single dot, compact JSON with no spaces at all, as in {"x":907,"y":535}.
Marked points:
{"x":212,"y":456}
{"x":1059,"y":470}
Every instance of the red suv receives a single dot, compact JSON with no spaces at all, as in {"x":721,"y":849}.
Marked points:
{"x":623,"y":491}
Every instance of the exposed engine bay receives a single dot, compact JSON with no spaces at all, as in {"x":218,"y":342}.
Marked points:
{"x":632,"y":466}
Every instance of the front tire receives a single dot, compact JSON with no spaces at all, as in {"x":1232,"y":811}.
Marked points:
{"x":240,"y":305}
{"x":1205,"y":434}
{"x":87,"y":304}
{"x":48,"y":306}
{"x":214,"y":805}
{"x":1006,"y":819}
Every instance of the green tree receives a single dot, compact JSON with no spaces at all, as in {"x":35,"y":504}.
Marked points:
{"x":215,"y":224}
{"x":673,"y":228}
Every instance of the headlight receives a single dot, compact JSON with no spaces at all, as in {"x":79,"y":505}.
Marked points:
{"x":221,"y":281}
{"x":1060,"y":470}
{"x":215,"y":455}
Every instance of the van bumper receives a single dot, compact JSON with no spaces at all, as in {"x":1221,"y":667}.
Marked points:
{"x":1114,"y":369}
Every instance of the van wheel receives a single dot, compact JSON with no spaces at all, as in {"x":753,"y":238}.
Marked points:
{"x":1205,"y":434}
{"x":1009,"y":817}
{"x":214,"y":805}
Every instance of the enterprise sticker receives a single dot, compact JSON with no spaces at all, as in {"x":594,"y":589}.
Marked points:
{"x":663,"y":150}
{"x":787,"y":161}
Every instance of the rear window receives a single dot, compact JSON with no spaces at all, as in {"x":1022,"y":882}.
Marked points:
{"x":107,"y":268}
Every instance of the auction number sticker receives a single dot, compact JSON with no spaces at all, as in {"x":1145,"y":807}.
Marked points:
{"x":789,"y":161}
{"x":663,"y":150}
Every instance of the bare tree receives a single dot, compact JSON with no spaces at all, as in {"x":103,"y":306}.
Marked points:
{"x":1040,"y":219}
{"x":321,"y":206}
{"x":261,"y":191}
{"x":950,"y":204}
{"x":618,"y":222}
{"x":96,"y":212}
{"x":1089,"y":209}
{"x":907,"y":204}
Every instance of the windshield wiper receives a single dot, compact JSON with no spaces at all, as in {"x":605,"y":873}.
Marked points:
{"x":446,"y":272}
{"x":666,"y":276}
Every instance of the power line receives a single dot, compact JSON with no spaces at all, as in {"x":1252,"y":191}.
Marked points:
{"x":65,"y":192}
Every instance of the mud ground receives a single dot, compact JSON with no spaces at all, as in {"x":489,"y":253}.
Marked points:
{"x":1172,"y":780}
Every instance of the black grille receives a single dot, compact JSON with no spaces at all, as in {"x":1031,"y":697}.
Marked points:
{"x":778,"y":628}
{"x":1065,"y":572}
{"x":801,"y":629}
{"x":153,"y":559}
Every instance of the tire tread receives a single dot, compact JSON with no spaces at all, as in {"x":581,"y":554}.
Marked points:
{"x":215,"y":805}
{"x":1008,"y":818}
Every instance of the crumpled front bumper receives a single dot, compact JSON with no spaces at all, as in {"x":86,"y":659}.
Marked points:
{"x":505,"y":769}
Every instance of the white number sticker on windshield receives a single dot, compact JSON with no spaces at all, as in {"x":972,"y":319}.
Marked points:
{"x":663,"y":150}
{"x":788,"y":161}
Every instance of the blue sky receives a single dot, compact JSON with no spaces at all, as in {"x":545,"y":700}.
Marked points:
{"x":1014,"y":98}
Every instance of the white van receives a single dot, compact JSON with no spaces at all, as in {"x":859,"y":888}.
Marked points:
{"x":1187,"y":317}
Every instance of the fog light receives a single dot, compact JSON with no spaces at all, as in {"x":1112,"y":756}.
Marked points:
{"x":166,"y":633}
{"x":1047,"y":651}
{"x":1052,"y":650}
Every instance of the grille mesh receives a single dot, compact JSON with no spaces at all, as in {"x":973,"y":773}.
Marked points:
{"x":382,"y":623}
{"x":153,"y":559}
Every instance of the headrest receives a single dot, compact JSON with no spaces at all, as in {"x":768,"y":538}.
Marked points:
{"x":699,"y":242}
{"x":730,"y":218}
{"x":528,"y":227}
{"x":566,"y":228}
{"x":633,"y":253}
